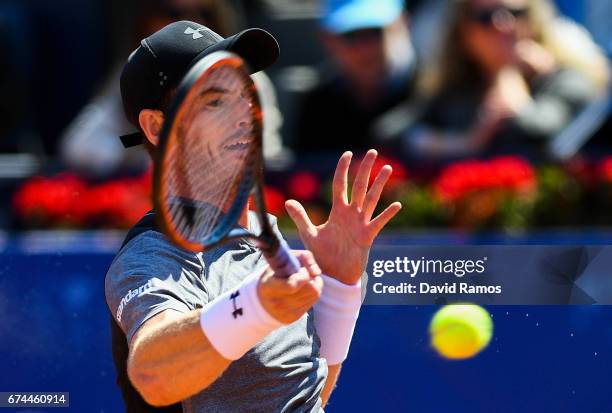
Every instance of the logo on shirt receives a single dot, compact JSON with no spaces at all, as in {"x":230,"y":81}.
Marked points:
{"x":138,"y":292}
{"x":237,"y":311}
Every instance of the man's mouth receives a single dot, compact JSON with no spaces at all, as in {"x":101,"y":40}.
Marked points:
{"x":238,"y":144}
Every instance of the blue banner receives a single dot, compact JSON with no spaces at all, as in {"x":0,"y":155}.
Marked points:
{"x":490,"y":275}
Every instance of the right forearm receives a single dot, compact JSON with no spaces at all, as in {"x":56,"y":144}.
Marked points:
{"x":174,"y":356}
{"x":174,"y":360}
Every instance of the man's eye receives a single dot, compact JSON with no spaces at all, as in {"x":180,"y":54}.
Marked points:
{"x":215,"y":103}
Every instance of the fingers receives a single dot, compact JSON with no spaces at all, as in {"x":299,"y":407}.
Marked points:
{"x":307,"y":261}
{"x":299,"y":216}
{"x":290,"y":285}
{"x":360,"y":186}
{"x":381,"y":220}
{"x":305,"y":298}
{"x":373,"y":195}
{"x":287,"y":299}
{"x":340,"y":182}
{"x":317,"y":284}
{"x":297,"y":281}
{"x":308,"y":271}
{"x":307,"y":281}
{"x":308,"y":293}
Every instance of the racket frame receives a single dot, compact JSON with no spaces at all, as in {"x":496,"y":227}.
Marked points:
{"x":251,"y":184}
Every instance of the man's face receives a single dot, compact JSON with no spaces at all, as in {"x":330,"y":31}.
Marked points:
{"x":219,"y":125}
{"x":218,"y":134}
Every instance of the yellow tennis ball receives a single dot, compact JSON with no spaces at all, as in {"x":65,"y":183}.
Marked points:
{"x":460,"y":331}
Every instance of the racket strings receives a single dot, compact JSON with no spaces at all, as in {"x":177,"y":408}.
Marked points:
{"x":210,"y":151}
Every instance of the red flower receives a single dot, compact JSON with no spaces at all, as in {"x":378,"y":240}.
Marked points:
{"x":66,"y":200}
{"x":145,"y":182}
{"x":304,"y":186}
{"x":275,"y":201}
{"x":605,"y":169}
{"x":50,"y":201}
{"x":514,"y":173}
{"x":509,"y":173}
{"x":119,"y":203}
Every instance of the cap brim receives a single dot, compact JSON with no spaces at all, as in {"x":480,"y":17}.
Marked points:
{"x":256,"y":46}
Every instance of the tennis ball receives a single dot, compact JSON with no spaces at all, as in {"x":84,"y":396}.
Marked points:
{"x":460,"y":331}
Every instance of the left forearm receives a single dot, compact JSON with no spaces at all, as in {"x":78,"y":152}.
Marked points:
{"x":330,"y":384}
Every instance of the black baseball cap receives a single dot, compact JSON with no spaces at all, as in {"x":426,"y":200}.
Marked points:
{"x":162,"y":59}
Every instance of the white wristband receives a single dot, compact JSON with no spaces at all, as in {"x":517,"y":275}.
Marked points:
{"x":235,"y":321}
{"x":335,"y":315}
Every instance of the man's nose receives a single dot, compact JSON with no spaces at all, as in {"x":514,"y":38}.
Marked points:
{"x":244,"y":109}
{"x":242,"y":124}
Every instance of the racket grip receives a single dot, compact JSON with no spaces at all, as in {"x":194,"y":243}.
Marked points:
{"x":284,"y":262}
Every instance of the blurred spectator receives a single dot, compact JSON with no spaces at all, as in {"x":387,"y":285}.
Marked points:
{"x":511,"y":75}
{"x":16,"y":134}
{"x":369,"y":43}
{"x":426,"y":18}
{"x":91,"y":142}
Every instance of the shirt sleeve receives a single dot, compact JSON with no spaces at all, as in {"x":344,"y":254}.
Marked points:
{"x":150,"y":275}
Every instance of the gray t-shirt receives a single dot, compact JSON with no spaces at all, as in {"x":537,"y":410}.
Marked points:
{"x":282,"y":373}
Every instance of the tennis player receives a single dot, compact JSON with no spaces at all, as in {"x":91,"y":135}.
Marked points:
{"x":288,"y":336}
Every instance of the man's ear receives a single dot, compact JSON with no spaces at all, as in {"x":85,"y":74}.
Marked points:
{"x":151,"y":121}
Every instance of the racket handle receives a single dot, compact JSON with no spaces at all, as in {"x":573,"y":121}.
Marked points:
{"x":284,"y":262}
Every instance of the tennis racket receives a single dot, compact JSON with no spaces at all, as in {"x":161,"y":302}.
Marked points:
{"x":209,"y":162}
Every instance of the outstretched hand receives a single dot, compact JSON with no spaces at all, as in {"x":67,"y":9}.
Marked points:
{"x":342,"y":244}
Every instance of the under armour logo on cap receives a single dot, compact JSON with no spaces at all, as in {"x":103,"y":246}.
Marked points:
{"x":195,"y":32}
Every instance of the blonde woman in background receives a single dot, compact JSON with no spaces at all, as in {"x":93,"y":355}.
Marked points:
{"x":511,"y":74}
